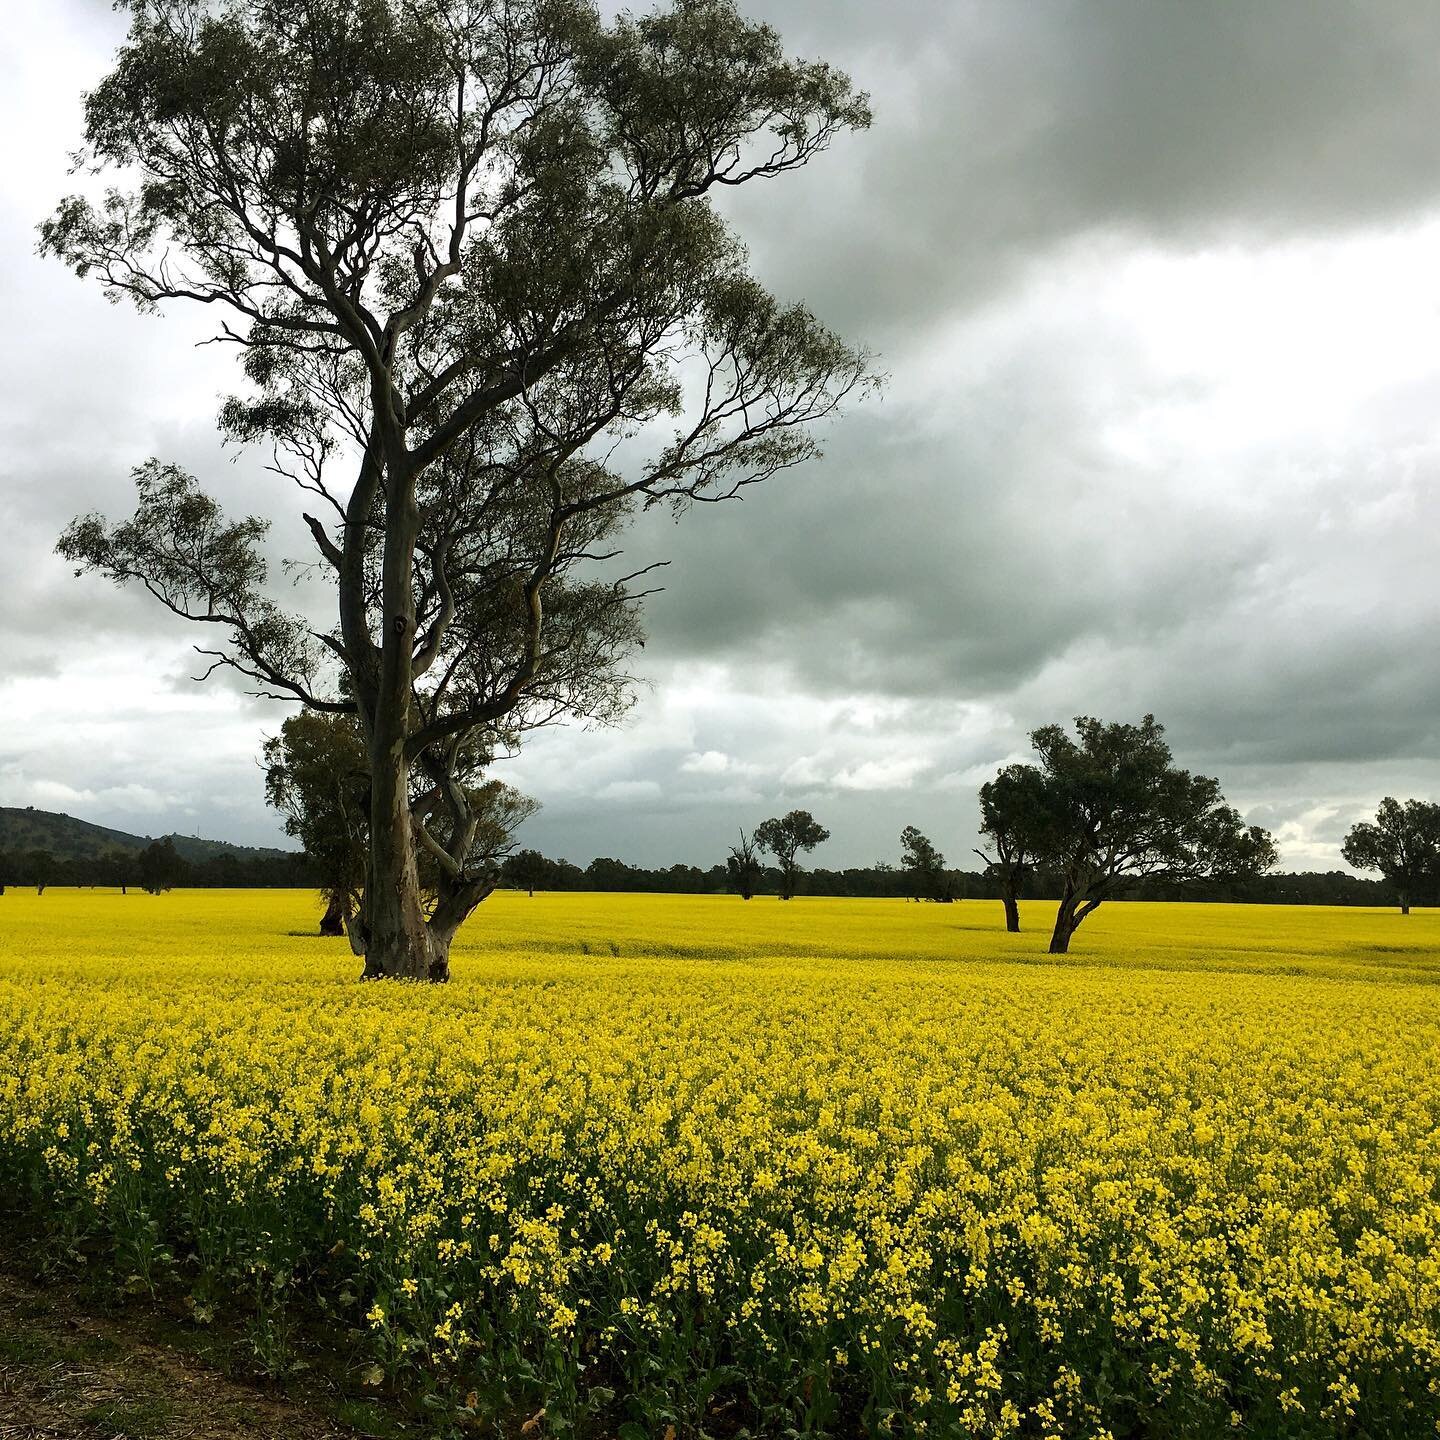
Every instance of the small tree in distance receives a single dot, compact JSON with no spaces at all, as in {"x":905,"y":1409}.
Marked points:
{"x":1402,"y":843}
{"x":526,"y":868}
{"x":42,"y":869}
{"x":923,"y":863}
{"x":161,"y":867}
{"x":316,"y":775}
{"x":743,"y":867}
{"x":785,"y":839}
{"x":1014,"y":818}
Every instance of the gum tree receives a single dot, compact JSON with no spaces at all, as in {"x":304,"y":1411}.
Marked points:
{"x":487,"y":310}
{"x":1402,"y":843}
{"x":1118,"y":810}
{"x":743,"y":868}
{"x":785,"y":837}
{"x":923,"y":863}
{"x":1014,"y":819}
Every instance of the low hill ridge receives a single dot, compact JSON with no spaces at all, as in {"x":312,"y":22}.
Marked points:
{"x":66,"y":838}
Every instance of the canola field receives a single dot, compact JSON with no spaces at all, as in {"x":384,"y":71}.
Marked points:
{"x":842,"y":1167}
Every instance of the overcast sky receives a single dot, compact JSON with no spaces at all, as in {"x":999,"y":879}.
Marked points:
{"x":1157,"y":284}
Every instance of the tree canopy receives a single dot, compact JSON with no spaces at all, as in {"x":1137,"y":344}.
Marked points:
{"x":1015,"y":821}
{"x":1107,"y":808}
{"x":924,"y":864}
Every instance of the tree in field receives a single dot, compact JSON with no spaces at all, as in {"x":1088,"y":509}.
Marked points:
{"x":785,"y":838}
{"x":42,"y":868}
{"x":160,"y":866}
{"x":923,"y":864}
{"x":1014,"y":819}
{"x":527,"y":869}
{"x":1119,"y":811}
{"x":487,"y":311}
{"x":119,"y":868}
{"x":743,"y":868}
{"x":316,"y":776}
{"x":1402,"y":843}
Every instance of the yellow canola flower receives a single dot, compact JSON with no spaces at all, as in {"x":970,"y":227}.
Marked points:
{"x":1191,"y":1172}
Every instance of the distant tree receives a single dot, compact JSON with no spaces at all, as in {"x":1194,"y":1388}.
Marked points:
{"x":786,"y":838}
{"x":1120,"y":811}
{"x":469,"y":252}
{"x":1015,"y":820}
{"x":923,"y":863}
{"x":317,"y":775}
{"x":526,"y":868}
{"x":743,"y":868}
{"x":160,"y":865}
{"x":603,"y":873}
{"x":120,"y":868}
{"x":1402,"y":843}
{"x":42,"y":868}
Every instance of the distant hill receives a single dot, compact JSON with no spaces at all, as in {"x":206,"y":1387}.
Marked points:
{"x":67,"y":838}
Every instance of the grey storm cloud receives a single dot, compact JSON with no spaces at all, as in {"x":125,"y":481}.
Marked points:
{"x":1153,"y":285}
{"x":1003,"y":130}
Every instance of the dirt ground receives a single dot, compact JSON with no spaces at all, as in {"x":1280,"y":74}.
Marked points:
{"x":68,"y":1373}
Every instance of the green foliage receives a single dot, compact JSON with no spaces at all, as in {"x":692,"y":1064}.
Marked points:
{"x":785,"y":838}
{"x":1402,"y":843}
{"x":1107,"y":808}
{"x":160,"y":866}
{"x":743,"y":867}
{"x":317,"y":775}
{"x":924,"y":863}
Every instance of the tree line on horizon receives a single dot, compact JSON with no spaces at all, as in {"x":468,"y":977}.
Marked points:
{"x":1101,"y":815}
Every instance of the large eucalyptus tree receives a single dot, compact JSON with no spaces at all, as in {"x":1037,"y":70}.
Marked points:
{"x":487,"y":309}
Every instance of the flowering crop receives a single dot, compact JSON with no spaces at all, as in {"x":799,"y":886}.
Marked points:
{"x":831,"y":1165}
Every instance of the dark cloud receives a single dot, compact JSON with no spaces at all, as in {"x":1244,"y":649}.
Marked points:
{"x":1153,"y":281}
{"x":1005,"y":130}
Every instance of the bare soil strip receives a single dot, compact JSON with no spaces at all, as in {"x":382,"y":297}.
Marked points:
{"x":67,"y":1373}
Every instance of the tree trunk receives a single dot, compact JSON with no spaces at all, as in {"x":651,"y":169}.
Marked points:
{"x":1073,"y":909}
{"x":1012,"y":910}
{"x":397,"y":945}
{"x":337,"y":914}
{"x":1065,"y":923}
{"x":1404,"y":904}
{"x":456,"y":904}
{"x":1060,"y":936}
